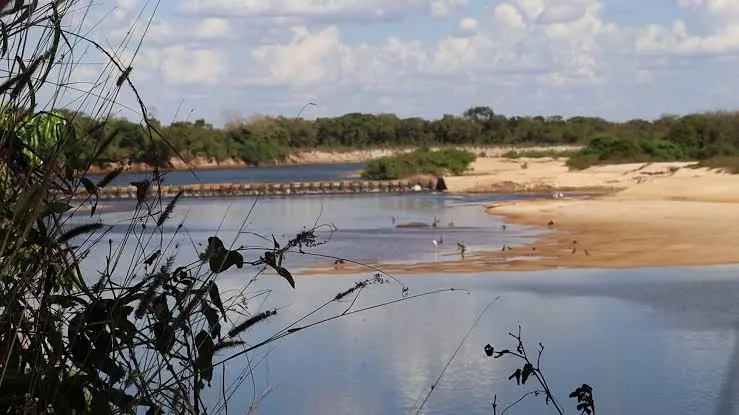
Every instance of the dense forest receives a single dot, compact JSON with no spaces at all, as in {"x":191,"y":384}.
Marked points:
{"x":264,"y":139}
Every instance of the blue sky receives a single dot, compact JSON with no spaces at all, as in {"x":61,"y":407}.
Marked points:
{"x":226,"y":59}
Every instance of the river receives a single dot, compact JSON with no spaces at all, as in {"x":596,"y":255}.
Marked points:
{"x":649,"y":341}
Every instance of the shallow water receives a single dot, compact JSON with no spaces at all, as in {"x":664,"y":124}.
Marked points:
{"x":640,"y":356}
{"x":363,"y":226}
{"x":656,"y":341}
{"x":270,"y":174}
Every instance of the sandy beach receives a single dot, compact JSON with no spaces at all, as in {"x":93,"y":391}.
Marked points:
{"x":655,"y":215}
{"x":309,"y":157}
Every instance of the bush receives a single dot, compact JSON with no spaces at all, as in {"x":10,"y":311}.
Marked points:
{"x":421,"y":161}
{"x":259,"y":150}
{"x":610,"y":150}
{"x":553,"y":153}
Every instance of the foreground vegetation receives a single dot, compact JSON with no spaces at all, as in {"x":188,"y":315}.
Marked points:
{"x":264,"y":139}
{"x":421,"y":161}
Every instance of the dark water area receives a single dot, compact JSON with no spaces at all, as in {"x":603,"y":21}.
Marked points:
{"x":269,"y":174}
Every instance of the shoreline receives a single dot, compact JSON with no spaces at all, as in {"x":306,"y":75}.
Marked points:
{"x":307,"y":158}
{"x":680,"y":217}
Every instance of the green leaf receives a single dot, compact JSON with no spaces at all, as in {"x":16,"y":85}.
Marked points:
{"x":286,"y":275}
{"x":204,"y":361}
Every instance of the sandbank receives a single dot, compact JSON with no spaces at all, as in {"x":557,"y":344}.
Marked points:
{"x":309,"y":157}
{"x":651,"y":215}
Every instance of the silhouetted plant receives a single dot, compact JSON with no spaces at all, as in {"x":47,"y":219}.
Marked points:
{"x":148,"y":332}
{"x":532,"y":370}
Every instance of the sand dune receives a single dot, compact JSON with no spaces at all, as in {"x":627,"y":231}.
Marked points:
{"x":663,"y":214}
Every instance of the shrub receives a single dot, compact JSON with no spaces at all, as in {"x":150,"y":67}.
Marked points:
{"x":611,"y":150}
{"x":421,"y":161}
{"x":553,"y":153}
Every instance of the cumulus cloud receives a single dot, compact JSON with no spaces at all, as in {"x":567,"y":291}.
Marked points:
{"x":182,"y":65}
{"x":524,"y":55}
{"x":562,"y":12}
{"x":443,"y":9}
{"x":713,"y":30}
{"x":468,"y":23}
{"x":368,"y":10}
{"x":213,"y":28}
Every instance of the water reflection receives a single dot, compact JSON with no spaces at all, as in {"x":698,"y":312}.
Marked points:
{"x":363,"y":227}
{"x":385,"y":359}
{"x":648,"y":341}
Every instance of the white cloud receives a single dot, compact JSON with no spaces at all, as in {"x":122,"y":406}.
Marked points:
{"x":468,"y":23}
{"x":213,"y":28}
{"x":508,"y":15}
{"x":562,"y":12}
{"x":443,"y":9}
{"x":710,"y":27}
{"x":183,"y":65}
{"x":123,"y":8}
{"x":519,"y":55}
{"x":302,"y":9}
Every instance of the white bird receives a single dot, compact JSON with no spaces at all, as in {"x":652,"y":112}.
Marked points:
{"x":435,"y":242}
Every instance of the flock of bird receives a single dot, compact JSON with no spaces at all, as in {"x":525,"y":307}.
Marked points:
{"x":462,"y":248}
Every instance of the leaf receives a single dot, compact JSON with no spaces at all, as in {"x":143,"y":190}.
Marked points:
{"x":221,"y":259}
{"x":54,"y":208}
{"x":73,"y":392}
{"x":89,"y":186}
{"x":119,"y":398}
{"x":528,"y":369}
{"x":99,"y":403}
{"x":204,"y":361}
{"x":210,"y":314}
{"x":109,"y":177}
{"x":270,"y":259}
{"x":286,"y":275}
{"x":164,"y":337}
{"x":277,"y":246}
{"x":79,"y":230}
{"x":517,"y":375}
{"x":215,"y":297}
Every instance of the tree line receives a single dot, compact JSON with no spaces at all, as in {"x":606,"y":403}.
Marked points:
{"x":263,"y":139}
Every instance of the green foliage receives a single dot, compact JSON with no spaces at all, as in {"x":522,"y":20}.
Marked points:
{"x":610,"y":150}
{"x":267,"y":139}
{"x":516,"y":154}
{"x":421,"y":161}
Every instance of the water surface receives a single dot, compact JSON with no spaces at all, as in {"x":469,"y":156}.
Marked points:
{"x":658,"y":341}
{"x":268,"y":174}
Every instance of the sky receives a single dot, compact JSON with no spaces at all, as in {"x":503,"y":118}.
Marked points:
{"x":226,"y":59}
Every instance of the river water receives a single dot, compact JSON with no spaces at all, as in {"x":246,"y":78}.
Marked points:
{"x":649,"y":341}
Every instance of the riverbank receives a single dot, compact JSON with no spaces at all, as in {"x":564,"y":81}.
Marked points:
{"x":308,"y":157}
{"x":664,"y":214}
